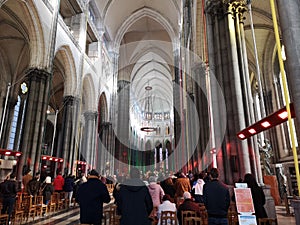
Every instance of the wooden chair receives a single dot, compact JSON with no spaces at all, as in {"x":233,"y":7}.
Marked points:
{"x":110,"y":215}
{"x":168,"y":218}
{"x":267,"y":221}
{"x":29,"y":207}
{"x":53,"y":203}
{"x":60,"y":201}
{"x":204,"y":215}
{"x":110,"y":188}
{"x":232,"y":218}
{"x":187,"y":213}
{"x":192,"y":221}
{"x":4,"y":219}
{"x":41,"y":208}
{"x":18,"y":214}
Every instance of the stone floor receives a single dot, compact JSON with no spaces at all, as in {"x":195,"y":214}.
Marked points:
{"x":71,"y":217}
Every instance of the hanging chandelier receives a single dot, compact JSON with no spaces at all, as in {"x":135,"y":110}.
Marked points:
{"x":148,"y":111}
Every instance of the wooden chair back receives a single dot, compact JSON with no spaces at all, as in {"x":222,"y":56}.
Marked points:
{"x":110,"y":215}
{"x":4,"y":219}
{"x":233,"y":218}
{"x":168,"y":218}
{"x":187,"y":213}
{"x":192,"y":221}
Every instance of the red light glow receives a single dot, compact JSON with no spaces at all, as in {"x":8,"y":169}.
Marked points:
{"x":50,"y":158}
{"x":44,"y":157}
{"x":18,"y":154}
{"x":241,"y":136}
{"x":283,"y":115}
{"x":265,"y":124}
{"x":7,"y":153}
{"x":252,"y":131}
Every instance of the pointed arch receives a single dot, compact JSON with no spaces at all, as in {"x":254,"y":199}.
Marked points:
{"x":144,"y":12}
{"x":88,"y":94}
{"x":64,"y":54}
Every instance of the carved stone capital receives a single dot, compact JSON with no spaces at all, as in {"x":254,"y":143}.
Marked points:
{"x":36,"y":74}
{"x":90,"y":115}
{"x":71,"y":100}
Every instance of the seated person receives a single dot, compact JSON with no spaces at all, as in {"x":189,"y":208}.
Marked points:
{"x":188,"y":204}
{"x":166,"y":205}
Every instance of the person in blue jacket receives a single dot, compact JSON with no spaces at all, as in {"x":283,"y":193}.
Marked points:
{"x":90,"y":196}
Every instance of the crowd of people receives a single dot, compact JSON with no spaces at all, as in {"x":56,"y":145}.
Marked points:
{"x":140,"y":199}
{"x":32,"y":185}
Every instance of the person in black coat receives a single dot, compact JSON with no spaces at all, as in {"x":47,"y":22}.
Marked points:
{"x":216,"y":199}
{"x":69,"y":187}
{"x":47,"y":190}
{"x":8,"y":190}
{"x":258,"y":196}
{"x":134,"y":201}
{"x":91,"y":195}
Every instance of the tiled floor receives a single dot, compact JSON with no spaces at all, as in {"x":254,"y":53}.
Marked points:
{"x":282,"y":216}
{"x":71,"y":217}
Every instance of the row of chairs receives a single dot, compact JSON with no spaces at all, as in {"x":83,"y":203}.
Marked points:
{"x":27,"y":206}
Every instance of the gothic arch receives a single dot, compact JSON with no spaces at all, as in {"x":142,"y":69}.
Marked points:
{"x":27,"y":19}
{"x":88,"y":94}
{"x":144,"y":12}
{"x":65,"y":56}
{"x":102,"y":110}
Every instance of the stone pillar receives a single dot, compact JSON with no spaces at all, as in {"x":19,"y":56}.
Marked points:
{"x":253,"y":147}
{"x":289,"y":17}
{"x":122,"y":133}
{"x":35,"y":114}
{"x":237,"y":94}
{"x":68,"y":149}
{"x":88,"y":148}
{"x":177,"y":108}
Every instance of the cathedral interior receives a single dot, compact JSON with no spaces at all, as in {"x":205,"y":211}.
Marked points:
{"x":159,"y":85}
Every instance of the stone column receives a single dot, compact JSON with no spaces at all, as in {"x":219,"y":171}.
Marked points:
{"x":253,"y":147}
{"x":237,"y":94}
{"x":88,"y":148}
{"x":68,"y":149}
{"x":35,"y":115}
{"x":289,"y":17}
{"x":122,"y":132}
{"x":177,"y":108}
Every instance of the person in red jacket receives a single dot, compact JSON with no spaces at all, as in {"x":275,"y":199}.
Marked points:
{"x":58,"y":183}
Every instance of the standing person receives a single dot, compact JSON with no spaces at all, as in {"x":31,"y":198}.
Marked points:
{"x":47,"y":190}
{"x":216,"y":199}
{"x":25,"y":180}
{"x":91,"y":195}
{"x":156,"y":193}
{"x":182,"y":185}
{"x":168,"y":187}
{"x":258,"y":196}
{"x":8,"y":190}
{"x":69,"y":187}
{"x":58,"y":183}
{"x":34,"y":185}
{"x":134,"y":201}
{"x":198,"y":188}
